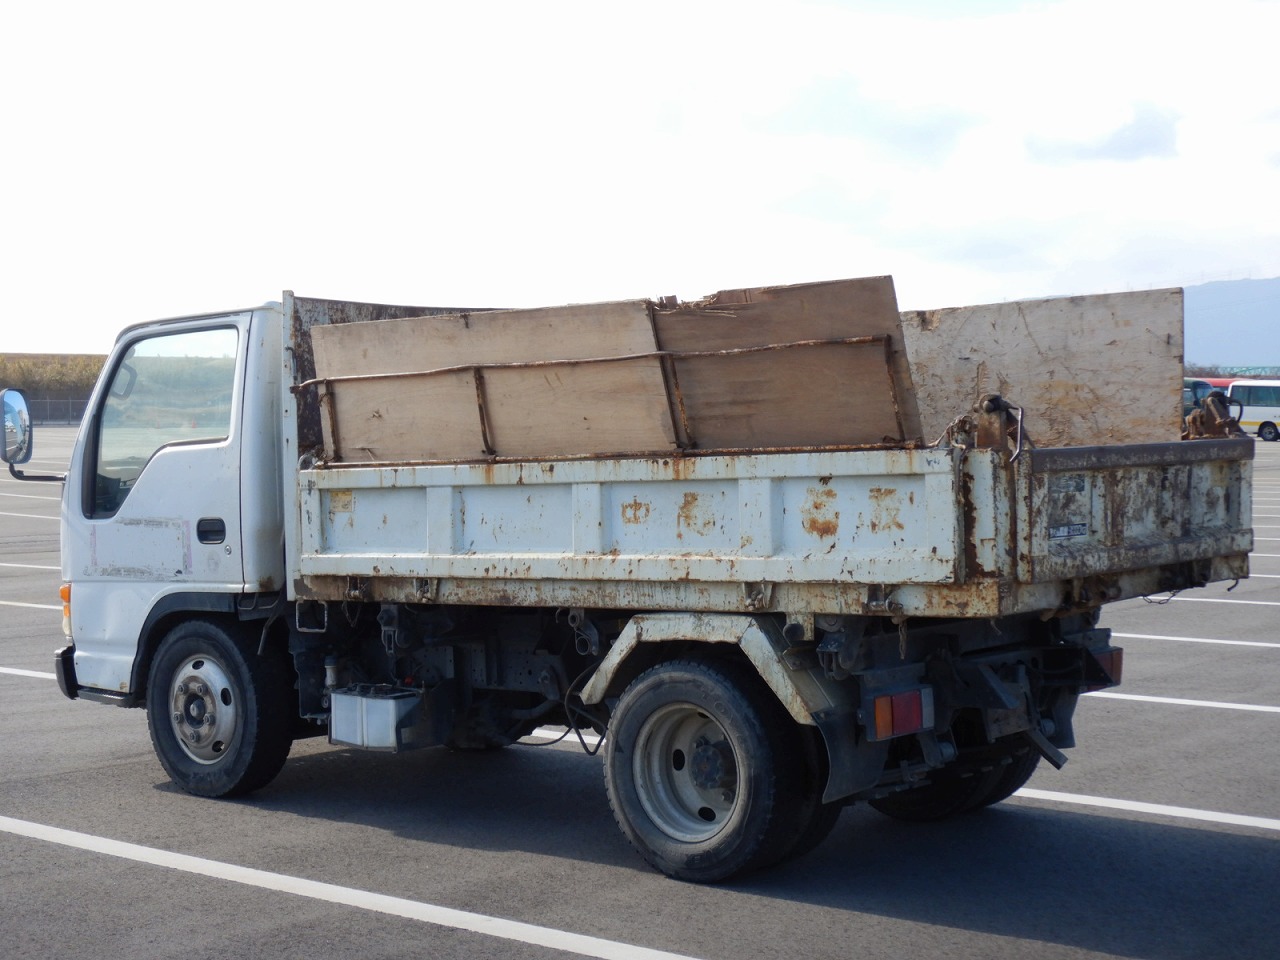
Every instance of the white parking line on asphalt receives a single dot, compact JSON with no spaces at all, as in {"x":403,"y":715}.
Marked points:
{"x":1230,"y":643}
{"x":1159,"y":809}
{"x":557,"y":734}
{"x":30,"y":566}
{"x":29,"y":496}
{"x":37,"y":674}
{"x":30,"y":606}
{"x":1252,"y":603}
{"x":29,"y":516}
{"x":438,"y":916}
{"x":1180,"y":702}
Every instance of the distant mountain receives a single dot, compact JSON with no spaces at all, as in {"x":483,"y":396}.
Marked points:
{"x":1232,"y":323}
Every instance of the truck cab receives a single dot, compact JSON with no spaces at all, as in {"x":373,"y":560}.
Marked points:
{"x":173,"y":497}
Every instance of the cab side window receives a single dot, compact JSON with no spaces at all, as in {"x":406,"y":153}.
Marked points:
{"x":166,"y":390}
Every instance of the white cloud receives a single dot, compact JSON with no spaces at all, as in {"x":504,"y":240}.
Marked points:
{"x":166,"y":159}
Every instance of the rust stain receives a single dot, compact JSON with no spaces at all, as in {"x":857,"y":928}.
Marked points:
{"x":818,"y":514}
{"x":636,"y":511}
{"x":680,"y":468}
{"x":687,"y":518}
{"x":885,"y":515}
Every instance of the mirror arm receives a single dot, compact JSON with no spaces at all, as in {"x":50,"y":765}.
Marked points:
{"x":41,"y":477}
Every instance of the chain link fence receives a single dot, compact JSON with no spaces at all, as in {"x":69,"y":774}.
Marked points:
{"x":51,"y":411}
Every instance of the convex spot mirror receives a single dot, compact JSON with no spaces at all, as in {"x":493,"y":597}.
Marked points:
{"x":17,"y":428}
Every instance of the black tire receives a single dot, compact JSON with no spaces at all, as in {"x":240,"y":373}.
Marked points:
{"x":204,"y":669}
{"x":1013,"y":777}
{"x":822,"y":821}
{"x":1268,"y":432}
{"x":947,"y":794}
{"x":814,"y":819}
{"x":699,"y":774}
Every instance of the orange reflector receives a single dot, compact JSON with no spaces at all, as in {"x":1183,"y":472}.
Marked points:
{"x":884,"y":718}
{"x":65,"y":593}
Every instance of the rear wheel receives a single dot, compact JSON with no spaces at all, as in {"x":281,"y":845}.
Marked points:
{"x":698,"y":771}
{"x":1268,"y":431}
{"x":814,"y":819}
{"x":218,"y":713}
{"x":948,"y":793}
{"x":1013,"y":777}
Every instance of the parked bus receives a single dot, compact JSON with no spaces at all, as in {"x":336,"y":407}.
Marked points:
{"x":1260,"y":400}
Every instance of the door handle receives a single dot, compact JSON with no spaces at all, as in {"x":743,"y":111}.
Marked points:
{"x":211,"y":530}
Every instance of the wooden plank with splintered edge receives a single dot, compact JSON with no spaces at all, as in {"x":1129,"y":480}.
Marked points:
{"x":830,"y":395}
{"x":813,"y":396}
{"x":571,"y":332}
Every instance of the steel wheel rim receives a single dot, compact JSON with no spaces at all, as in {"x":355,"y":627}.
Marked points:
{"x":203,"y":710}
{"x":686,"y":773}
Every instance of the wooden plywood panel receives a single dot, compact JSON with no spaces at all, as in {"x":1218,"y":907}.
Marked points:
{"x":579,"y":409}
{"x":563,"y":410}
{"x":1089,"y":370}
{"x":811,"y":311}
{"x":405,"y":418}
{"x":572,"y":332}
{"x":792,"y":397}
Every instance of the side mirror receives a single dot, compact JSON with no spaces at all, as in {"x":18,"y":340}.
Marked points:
{"x":16,"y":448}
{"x":17,"y":428}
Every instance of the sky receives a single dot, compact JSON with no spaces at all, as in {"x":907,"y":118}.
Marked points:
{"x":162,"y":159}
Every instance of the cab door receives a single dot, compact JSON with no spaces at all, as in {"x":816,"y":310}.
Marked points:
{"x":152,"y":505}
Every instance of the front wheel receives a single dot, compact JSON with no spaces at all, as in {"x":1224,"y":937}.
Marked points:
{"x":1268,"y":432}
{"x":219,"y":714}
{"x":698,"y":773}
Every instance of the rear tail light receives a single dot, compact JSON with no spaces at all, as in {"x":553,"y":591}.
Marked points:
{"x":65,"y":593}
{"x":900,"y":713}
{"x":1106,"y":671}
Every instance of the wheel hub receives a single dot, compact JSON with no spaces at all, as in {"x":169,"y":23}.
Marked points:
{"x":196,"y":711}
{"x":203,"y":711}
{"x":711,"y":766}
{"x":686,"y":772}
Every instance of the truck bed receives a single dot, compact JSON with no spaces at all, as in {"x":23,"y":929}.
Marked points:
{"x":946,"y":531}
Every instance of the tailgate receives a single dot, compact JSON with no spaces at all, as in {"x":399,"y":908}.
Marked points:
{"x":1091,"y":510}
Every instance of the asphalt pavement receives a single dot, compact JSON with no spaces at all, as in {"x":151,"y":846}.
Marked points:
{"x":1159,"y":839}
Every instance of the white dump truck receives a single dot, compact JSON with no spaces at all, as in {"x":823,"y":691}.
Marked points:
{"x":784,"y":549}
